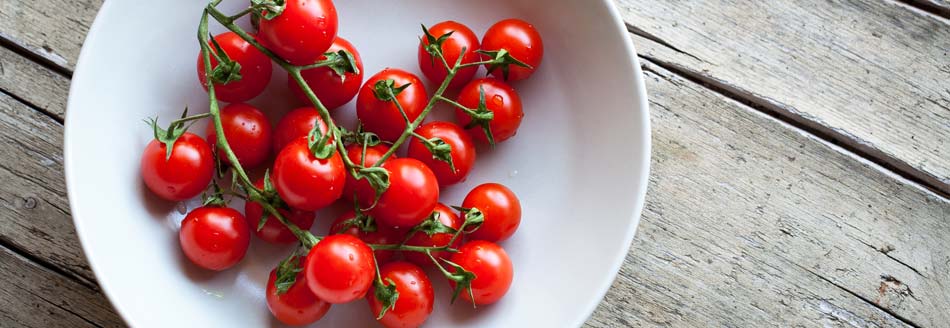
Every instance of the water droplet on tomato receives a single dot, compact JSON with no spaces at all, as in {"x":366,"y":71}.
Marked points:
{"x":351,"y":258}
{"x":498,"y":100}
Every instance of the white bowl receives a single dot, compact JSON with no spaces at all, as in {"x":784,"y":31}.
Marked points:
{"x":579,"y":164}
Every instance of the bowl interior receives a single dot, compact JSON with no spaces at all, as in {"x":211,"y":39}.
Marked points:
{"x":578,"y":164}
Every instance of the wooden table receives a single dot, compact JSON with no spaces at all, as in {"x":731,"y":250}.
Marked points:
{"x":801,"y":166}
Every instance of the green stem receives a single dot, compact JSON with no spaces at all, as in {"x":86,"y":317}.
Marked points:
{"x":456,"y":104}
{"x":190,"y":118}
{"x":399,"y":247}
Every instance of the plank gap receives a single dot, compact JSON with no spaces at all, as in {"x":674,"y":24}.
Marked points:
{"x":33,"y":106}
{"x":92,"y":285}
{"x":33,"y":56}
{"x":874,"y":304}
{"x":928,"y":6}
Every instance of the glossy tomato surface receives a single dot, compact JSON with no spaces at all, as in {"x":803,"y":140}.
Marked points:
{"x":332,"y":90}
{"x":295,"y":124}
{"x":248,"y":133}
{"x":382,"y":235}
{"x":463,"y":151}
{"x":461,"y":43}
{"x":413,"y":193}
{"x":306,"y":182}
{"x":492,"y":268}
{"x":416,"y":296}
{"x":501,"y":99}
{"x":383,"y":117}
{"x":256,"y":69}
{"x":297,"y":306}
{"x":274,"y":231}
{"x":355,"y":153}
{"x":303,"y":32}
{"x":214,"y":238}
{"x":438,"y":239}
{"x":340,"y":268}
{"x":501,"y":208}
{"x":522,"y":40}
{"x":183,"y":175}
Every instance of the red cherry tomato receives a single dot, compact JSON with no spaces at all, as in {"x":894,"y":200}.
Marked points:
{"x":295,"y":124}
{"x":439,"y":239}
{"x":274,"y":231}
{"x":521,"y":40}
{"x":256,"y":69}
{"x":501,"y":209}
{"x":214,"y":238}
{"x":382,"y":235}
{"x":355,"y":153}
{"x":248,"y":132}
{"x":415,"y":300}
{"x":492,"y":268}
{"x":462,"y":37}
{"x":183,"y":175}
{"x":306,"y":182}
{"x":302,"y":33}
{"x":340,"y":269}
{"x":413,"y":193}
{"x":297,"y":306}
{"x":332,"y":90}
{"x":463,"y":151}
{"x":501,"y":99}
{"x":383,"y":117}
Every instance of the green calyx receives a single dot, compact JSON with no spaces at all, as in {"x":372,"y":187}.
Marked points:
{"x":227,"y":70}
{"x":359,"y":136}
{"x":341,"y":63}
{"x":268,"y":9}
{"x":473,"y":218}
{"x":432,"y":44}
{"x":440,"y":150}
{"x":378,"y":178}
{"x":386,"y":90}
{"x":287,"y":272}
{"x":174,"y":131}
{"x":361,"y":221}
{"x":386,"y":294}
{"x":502,"y":59}
{"x":321,"y":145}
{"x":267,"y":195}
{"x":432,"y":225}
{"x":482,"y":117}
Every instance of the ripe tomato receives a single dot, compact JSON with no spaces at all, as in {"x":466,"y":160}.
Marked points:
{"x":295,"y":124}
{"x":183,"y":175}
{"x":501,"y":209}
{"x":274,"y":231}
{"x":413,"y":193}
{"x":463,"y":151}
{"x":306,"y":182}
{"x":302,"y":33}
{"x":492,"y":268}
{"x":439,"y":239}
{"x":248,"y":133}
{"x":501,"y":99}
{"x":521,"y":40}
{"x":340,"y":268}
{"x":462,"y":37}
{"x":355,"y":153}
{"x":382,"y":235}
{"x":415,"y":300}
{"x":297,"y":306}
{"x":383,"y":117}
{"x":332,"y":90}
{"x":256,"y":69}
{"x":214,"y":238}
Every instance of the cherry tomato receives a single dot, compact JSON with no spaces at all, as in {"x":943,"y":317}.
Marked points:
{"x":297,"y":306}
{"x":501,"y":99}
{"x":214,"y":238}
{"x":383,"y":117}
{"x":306,"y":182}
{"x":413,"y":193}
{"x":382,"y":235}
{"x":183,"y":175}
{"x":462,"y":37}
{"x":248,"y":133}
{"x":332,"y":90}
{"x":340,"y":268}
{"x":439,"y":239}
{"x":501,"y":209}
{"x":415,"y":300}
{"x":521,"y":40}
{"x":463,"y":151}
{"x":295,"y":124}
{"x":274,"y":231}
{"x":355,"y":153}
{"x":492,"y":268}
{"x":256,"y":69}
{"x":302,"y":33}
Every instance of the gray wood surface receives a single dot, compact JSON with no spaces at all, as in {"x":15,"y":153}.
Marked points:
{"x":33,"y":83}
{"x":870,"y":73}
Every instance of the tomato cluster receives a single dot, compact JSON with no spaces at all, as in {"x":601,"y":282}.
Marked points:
{"x":377,"y":250}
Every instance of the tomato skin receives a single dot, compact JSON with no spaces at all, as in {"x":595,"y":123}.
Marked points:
{"x":416,"y":296}
{"x":501,"y":99}
{"x":419,"y":238}
{"x":306,"y":182}
{"x":273,"y":231}
{"x":462,"y":37}
{"x":382,"y":235}
{"x":327,"y":85}
{"x":492,"y":268}
{"x":248,"y":132}
{"x":340,"y":268}
{"x":297,"y":306}
{"x":501,"y":208}
{"x":256,"y":69}
{"x":185,"y":174}
{"x":463,"y":151}
{"x":214,"y":238}
{"x":413,"y":193}
{"x":521,"y":40}
{"x":303,"y":32}
{"x":383,"y":117}
{"x":355,"y":153}
{"x":295,"y":124}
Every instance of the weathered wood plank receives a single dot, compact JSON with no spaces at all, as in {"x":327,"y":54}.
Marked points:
{"x":873,"y":74}
{"x":778,"y":229}
{"x":54,"y":30}
{"x":939,"y":7}
{"x":33,"y":83}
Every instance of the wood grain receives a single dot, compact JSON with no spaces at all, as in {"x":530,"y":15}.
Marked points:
{"x":872,"y":74}
{"x":33,"y":83}
{"x":53,"y":29}
{"x":938,"y":7}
